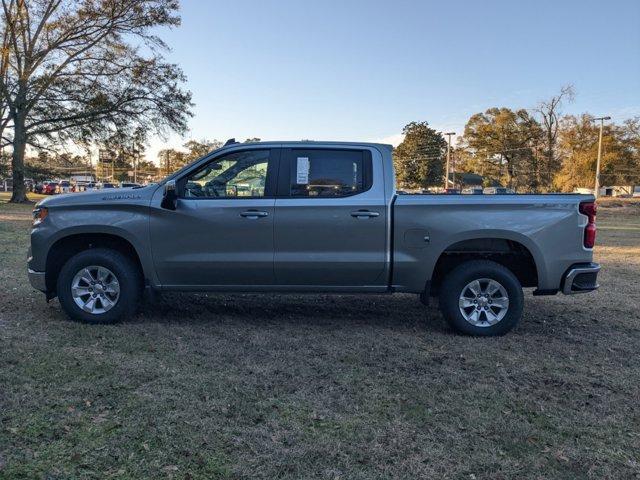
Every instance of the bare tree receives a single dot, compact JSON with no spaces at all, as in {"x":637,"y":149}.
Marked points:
{"x":80,"y":70}
{"x":4,"y":108}
{"x":549,"y":112}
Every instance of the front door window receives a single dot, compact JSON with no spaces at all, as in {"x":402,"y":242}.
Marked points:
{"x":237,"y":175}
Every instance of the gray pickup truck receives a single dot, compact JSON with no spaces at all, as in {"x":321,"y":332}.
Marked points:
{"x":310,"y":217}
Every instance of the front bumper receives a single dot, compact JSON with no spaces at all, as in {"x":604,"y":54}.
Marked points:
{"x":37,"y":280}
{"x":581,"y":278}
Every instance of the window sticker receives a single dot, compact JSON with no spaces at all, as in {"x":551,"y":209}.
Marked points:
{"x":302,"y":171}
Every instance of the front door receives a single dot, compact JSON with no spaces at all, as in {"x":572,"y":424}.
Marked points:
{"x":330,"y":224}
{"x":221,"y":233}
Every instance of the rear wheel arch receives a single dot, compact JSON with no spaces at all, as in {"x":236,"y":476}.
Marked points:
{"x":66,"y":247}
{"x":512,"y":254}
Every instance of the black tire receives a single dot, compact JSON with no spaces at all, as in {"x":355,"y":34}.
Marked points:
{"x":123,"y":268}
{"x":457,"y":280}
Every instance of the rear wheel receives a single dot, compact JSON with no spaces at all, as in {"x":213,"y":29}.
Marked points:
{"x":481,"y":298}
{"x":99,"y":286}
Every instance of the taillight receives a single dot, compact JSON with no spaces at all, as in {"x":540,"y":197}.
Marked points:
{"x":589,"y":209}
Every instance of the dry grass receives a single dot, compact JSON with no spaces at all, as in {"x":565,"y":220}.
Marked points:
{"x":613,"y":202}
{"x":249,"y":386}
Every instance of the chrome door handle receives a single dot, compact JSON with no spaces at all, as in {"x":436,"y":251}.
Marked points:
{"x":254,"y":214}
{"x":364,"y":214}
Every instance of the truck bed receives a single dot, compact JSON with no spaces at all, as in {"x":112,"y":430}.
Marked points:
{"x":427,"y":225}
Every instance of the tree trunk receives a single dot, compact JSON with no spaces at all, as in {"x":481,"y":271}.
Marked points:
{"x":550,"y":159}
{"x":19,"y":194}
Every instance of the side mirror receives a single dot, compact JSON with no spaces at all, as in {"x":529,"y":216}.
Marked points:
{"x":170,"y":197}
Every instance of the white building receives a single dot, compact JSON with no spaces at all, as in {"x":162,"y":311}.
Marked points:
{"x":612,"y":190}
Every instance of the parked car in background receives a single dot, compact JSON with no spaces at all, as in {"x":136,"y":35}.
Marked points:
{"x":473,"y":191}
{"x":41,"y":187}
{"x":451,"y":191}
{"x":90,"y":186}
{"x":63,"y":186}
{"x":49,"y":187}
{"x":202,"y":229}
{"x":498,"y":191}
{"x":105,"y":185}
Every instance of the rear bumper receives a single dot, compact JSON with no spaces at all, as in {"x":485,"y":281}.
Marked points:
{"x":581,"y":278}
{"x":37,"y":280}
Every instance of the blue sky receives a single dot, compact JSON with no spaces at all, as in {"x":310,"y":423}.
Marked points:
{"x":361,"y":70}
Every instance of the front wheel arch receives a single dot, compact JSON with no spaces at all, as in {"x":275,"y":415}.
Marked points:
{"x":66,"y":247}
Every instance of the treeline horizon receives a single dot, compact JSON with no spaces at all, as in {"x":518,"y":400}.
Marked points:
{"x":530,"y":150}
{"x":517,"y":159}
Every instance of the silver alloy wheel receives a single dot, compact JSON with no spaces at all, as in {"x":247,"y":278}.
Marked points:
{"x":95,"y":289}
{"x":483,"y":302}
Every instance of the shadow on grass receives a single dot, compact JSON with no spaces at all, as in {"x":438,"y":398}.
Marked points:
{"x":401,"y":312}
{"x":404,"y":311}
{"x":543,"y":317}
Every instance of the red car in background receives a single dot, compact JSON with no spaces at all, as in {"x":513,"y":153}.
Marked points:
{"x":48,"y":187}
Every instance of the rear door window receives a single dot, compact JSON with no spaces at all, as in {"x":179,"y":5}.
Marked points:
{"x":322,"y":173}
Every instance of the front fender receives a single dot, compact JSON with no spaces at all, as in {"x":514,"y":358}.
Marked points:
{"x":129,"y":222}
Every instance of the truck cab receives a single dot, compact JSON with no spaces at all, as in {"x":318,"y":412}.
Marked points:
{"x":307,"y":217}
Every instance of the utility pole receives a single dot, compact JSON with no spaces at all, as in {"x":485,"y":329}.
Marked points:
{"x":596,"y":191}
{"x":446,"y":175}
{"x":453,"y":170}
{"x":135,"y":165}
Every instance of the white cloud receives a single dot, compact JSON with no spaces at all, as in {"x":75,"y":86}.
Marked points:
{"x":397,"y":138}
{"x":394,"y":140}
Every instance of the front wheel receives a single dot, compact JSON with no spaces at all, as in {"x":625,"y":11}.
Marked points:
{"x":99,"y":286}
{"x":481,"y":298}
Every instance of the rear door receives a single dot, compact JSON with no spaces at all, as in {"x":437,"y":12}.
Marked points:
{"x":331,"y":221}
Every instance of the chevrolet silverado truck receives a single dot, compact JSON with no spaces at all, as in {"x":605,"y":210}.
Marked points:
{"x":310,"y":217}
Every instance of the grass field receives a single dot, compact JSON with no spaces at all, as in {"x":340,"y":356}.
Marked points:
{"x":350,"y":387}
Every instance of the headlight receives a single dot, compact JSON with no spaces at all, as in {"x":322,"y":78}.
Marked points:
{"x":39,"y":214}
